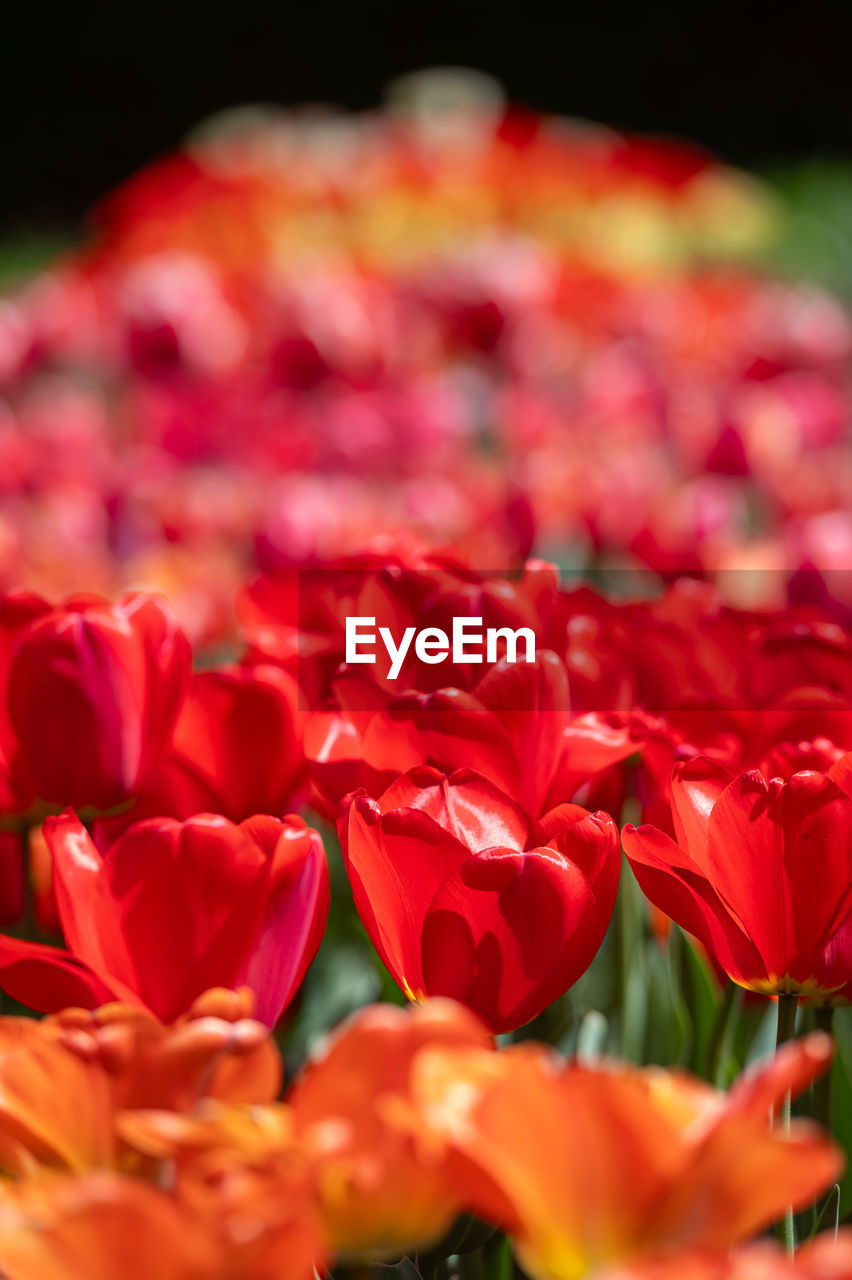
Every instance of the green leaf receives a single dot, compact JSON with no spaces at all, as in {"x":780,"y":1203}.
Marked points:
{"x":841,"y":1086}
{"x":499,"y":1264}
{"x":829,"y":1215}
{"x":702,"y":998}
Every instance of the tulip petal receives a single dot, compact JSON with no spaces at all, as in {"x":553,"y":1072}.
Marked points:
{"x":464,"y":804}
{"x":394,"y":874}
{"x":293,"y":920}
{"x":188,"y":897}
{"x":48,"y":978}
{"x":506,"y":933}
{"x":91,"y":927}
{"x":696,"y":786}
{"x":674,"y":885}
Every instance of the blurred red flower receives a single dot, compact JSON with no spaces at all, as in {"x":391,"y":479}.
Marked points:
{"x":514,"y":726}
{"x":94,"y":690}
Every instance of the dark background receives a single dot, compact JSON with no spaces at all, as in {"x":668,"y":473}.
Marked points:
{"x":90,"y":92}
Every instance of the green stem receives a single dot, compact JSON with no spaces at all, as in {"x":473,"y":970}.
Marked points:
{"x":785,"y":1229}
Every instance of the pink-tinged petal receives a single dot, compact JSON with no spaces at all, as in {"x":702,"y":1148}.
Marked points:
{"x":506,"y":934}
{"x":833,"y":967}
{"x":48,"y":979}
{"x":109,"y":678}
{"x":674,"y":884}
{"x":293,"y":920}
{"x":71,"y":677}
{"x":697,"y":784}
{"x":467,"y":806}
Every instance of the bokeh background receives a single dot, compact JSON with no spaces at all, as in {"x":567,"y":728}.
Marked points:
{"x":91,"y":92}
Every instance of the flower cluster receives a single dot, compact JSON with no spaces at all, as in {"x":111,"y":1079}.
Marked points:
{"x":489,"y":327}
{"x":146,"y":822}
{"x":115,"y":1127}
{"x":313,"y":370}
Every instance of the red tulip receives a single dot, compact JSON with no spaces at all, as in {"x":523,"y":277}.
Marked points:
{"x":17,"y":610}
{"x":236,"y":750}
{"x":760,"y":872}
{"x":464,"y":895}
{"x":514,"y":726}
{"x":173,"y":908}
{"x":94,"y":692}
{"x":299,"y":622}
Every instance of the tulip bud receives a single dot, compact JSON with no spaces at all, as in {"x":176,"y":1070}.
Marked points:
{"x":94,"y":692}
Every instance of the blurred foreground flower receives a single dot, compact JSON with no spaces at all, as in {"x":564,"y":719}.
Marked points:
{"x":64,"y":1081}
{"x":591,"y":1166}
{"x":100,"y":1227}
{"x":821,"y":1259}
{"x":342,"y":1145}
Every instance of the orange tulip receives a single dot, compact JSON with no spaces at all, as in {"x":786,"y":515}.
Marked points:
{"x":96,"y":1228}
{"x":55,"y":1108}
{"x":591,"y":1166}
{"x":63,"y":1080}
{"x":822,"y":1259}
{"x":216,"y":1050}
{"x":383,"y":1186}
{"x":378,"y":1181}
{"x":241,"y":1172}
